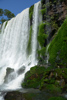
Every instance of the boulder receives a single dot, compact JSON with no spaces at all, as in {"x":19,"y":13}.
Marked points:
{"x":14,"y":95}
{"x":8,"y":72}
{"x":21,"y":70}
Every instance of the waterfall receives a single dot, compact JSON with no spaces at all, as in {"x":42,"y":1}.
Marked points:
{"x":13,"y":49}
{"x":35,"y":30}
{"x":13,"y":44}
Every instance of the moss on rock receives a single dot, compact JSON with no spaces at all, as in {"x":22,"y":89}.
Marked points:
{"x":58,"y":47}
{"x":50,"y":80}
{"x":57,"y":98}
{"x":33,"y":77}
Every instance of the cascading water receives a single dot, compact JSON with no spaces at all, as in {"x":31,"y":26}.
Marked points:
{"x":34,"y":31}
{"x":13,"y":53}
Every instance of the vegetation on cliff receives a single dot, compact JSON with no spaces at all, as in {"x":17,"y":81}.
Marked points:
{"x":54,"y":78}
{"x":41,"y":39}
{"x":51,"y":80}
{"x":58,"y":47}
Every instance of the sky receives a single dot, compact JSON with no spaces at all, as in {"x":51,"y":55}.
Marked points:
{"x":16,"y":6}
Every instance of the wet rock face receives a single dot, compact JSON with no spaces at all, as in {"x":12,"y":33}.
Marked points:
{"x":65,"y":2}
{"x":8,"y":72}
{"x":56,"y":15}
{"x":27,"y":96}
{"x":21,"y":70}
{"x":14,"y":96}
{"x":59,"y":11}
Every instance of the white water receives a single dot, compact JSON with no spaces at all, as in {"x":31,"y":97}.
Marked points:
{"x":34,"y":33}
{"x":13,"y":48}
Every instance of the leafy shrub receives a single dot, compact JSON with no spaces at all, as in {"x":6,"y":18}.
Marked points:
{"x":43,"y":11}
{"x":41,"y":34}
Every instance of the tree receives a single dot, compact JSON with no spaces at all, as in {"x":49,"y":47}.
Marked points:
{"x":5,"y":15}
{"x":2,"y":20}
{"x":9,"y":14}
{"x":1,"y":12}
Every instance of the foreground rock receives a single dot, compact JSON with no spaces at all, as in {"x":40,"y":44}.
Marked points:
{"x":14,"y":96}
{"x":49,"y":80}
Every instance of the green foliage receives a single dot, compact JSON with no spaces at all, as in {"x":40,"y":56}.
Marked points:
{"x":47,"y":79}
{"x":1,"y":12}
{"x":8,"y":13}
{"x":42,"y":51}
{"x":33,"y":77}
{"x":41,"y":39}
{"x":56,"y":98}
{"x":41,"y":54}
{"x":31,"y":12}
{"x":58,"y":46}
{"x":54,"y":25}
{"x":43,"y":11}
{"x":41,"y":34}
{"x":29,"y":41}
{"x":52,"y":88}
{"x":61,"y":72}
{"x":5,"y":15}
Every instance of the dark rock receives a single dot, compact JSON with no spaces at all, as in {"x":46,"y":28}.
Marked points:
{"x":14,"y":96}
{"x":62,"y":82}
{"x":65,"y":1}
{"x":21,"y":70}
{"x":51,"y":75}
{"x":64,"y":90}
{"x":8,"y":72}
